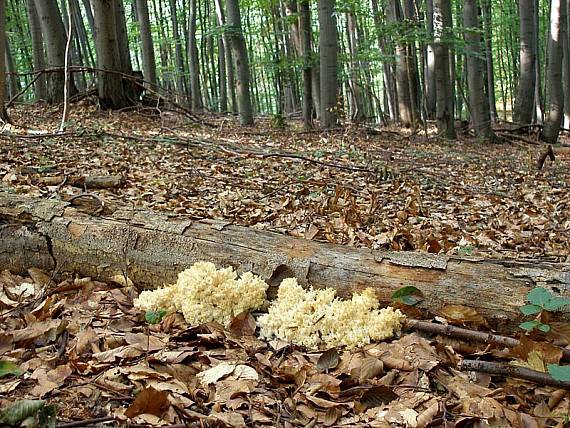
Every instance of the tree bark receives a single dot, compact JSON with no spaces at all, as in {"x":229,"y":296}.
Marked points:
{"x":239,"y":51}
{"x":478,"y":102}
{"x":151,"y":248}
{"x":554,"y":72}
{"x":54,"y":35}
{"x":147,"y":47}
{"x":113,"y":91}
{"x":430,"y":79}
{"x":524,"y":104}
{"x":195,"y":89}
{"x":3,"y":113}
{"x":490,"y":70}
{"x":306,"y":48}
{"x":37,"y":50}
{"x":443,"y":84}
{"x":179,"y":61}
{"x":229,"y":60}
{"x":328,"y":47}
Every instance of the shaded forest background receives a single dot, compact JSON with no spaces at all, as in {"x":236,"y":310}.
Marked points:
{"x":376,"y":61}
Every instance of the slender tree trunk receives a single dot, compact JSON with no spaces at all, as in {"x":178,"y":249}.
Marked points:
{"x":112,"y":90}
{"x":524,"y":104}
{"x":478,"y":102}
{"x":229,"y":57}
{"x":10,"y":65}
{"x":3,"y":113}
{"x":443,"y":82}
{"x":178,"y":60}
{"x":239,"y":49}
{"x":53,"y":32}
{"x":490,"y":71}
{"x":37,"y":50}
{"x":122,"y":38}
{"x":328,"y":46}
{"x":554,"y":73}
{"x":305,"y":36}
{"x":357,"y":111}
{"x":147,"y":46}
{"x":430,"y":79}
{"x":566,"y":71}
{"x":195,"y":90}
{"x":389,"y":81}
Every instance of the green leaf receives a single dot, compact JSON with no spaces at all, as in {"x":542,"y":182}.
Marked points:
{"x":530,"y":309}
{"x":529,"y":325}
{"x":154,"y":317}
{"x":47,"y":416}
{"x":408,"y":295}
{"x":545,"y":328}
{"x":556,"y":304}
{"x":560,"y":373}
{"x":8,"y":368}
{"x":538,"y":296}
{"x":20,"y":410}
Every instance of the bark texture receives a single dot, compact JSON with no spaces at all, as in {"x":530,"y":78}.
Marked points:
{"x":153,"y":247}
{"x":328,"y":47}
{"x":147,"y":48}
{"x":239,"y":50}
{"x":524,"y":103}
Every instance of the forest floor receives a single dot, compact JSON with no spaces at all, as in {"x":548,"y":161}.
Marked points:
{"x":80,"y":345}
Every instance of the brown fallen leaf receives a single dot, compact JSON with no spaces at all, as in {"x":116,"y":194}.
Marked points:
{"x":150,"y":401}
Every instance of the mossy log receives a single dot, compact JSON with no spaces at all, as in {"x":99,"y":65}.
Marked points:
{"x":152,"y":247}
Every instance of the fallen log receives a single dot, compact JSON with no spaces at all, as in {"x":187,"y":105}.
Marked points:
{"x":151,"y":248}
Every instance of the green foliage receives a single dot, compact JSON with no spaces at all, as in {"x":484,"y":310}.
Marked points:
{"x":539,"y":299}
{"x":408,"y":295}
{"x":29,"y":413}
{"x":8,"y":368}
{"x":559,"y":373}
{"x":154,"y":317}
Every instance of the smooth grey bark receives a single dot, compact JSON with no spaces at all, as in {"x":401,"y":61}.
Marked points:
{"x":223,"y":82}
{"x":54,"y":36}
{"x":524,"y":102}
{"x":475,"y":62}
{"x":229,"y":60}
{"x":239,"y":50}
{"x":389,"y":81}
{"x":122,"y":37}
{"x":179,"y":61}
{"x":195,"y":89}
{"x":554,"y":71}
{"x":11,"y":70}
{"x":430,"y":83}
{"x":328,"y":47}
{"x":305,"y":35}
{"x":566,"y":71}
{"x":357,"y":105}
{"x":112,"y":90}
{"x":405,"y":82}
{"x":38,"y":56}
{"x":3,"y":113}
{"x":147,"y":46}
{"x":442,"y":26}
{"x":490,"y":72}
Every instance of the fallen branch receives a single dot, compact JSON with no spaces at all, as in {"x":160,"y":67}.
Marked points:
{"x":505,"y":369}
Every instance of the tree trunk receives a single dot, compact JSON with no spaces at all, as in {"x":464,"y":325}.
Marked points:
{"x":554,"y":72}
{"x":151,"y":248}
{"x":113,"y":91}
{"x":475,"y":62}
{"x":490,"y":71}
{"x":3,"y":113}
{"x":239,"y":51}
{"x":178,"y":60}
{"x":147,"y":47}
{"x":305,"y":43}
{"x":430,"y":79}
{"x":389,"y":81}
{"x":229,"y":61}
{"x":328,"y":47}
{"x":37,"y":50}
{"x":195,"y":89}
{"x":524,"y":104}
{"x":444,"y":99}
{"x":54,"y":35}
{"x":11,"y":70}
{"x":357,"y":110}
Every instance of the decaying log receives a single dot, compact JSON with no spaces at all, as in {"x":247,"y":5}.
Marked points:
{"x":153,"y":247}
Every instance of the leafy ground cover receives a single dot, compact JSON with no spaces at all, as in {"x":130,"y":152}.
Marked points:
{"x":381,"y":189}
{"x":80,"y":345}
